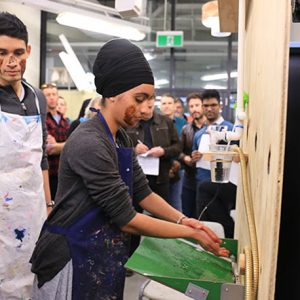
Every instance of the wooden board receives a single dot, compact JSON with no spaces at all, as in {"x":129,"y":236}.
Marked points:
{"x":265,"y":74}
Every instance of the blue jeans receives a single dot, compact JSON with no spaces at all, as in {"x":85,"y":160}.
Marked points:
{"x":175,"y":192}
{"x":202,"y":175}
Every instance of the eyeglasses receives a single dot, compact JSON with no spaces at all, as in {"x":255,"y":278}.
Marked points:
{"x":213,"y":105}
{"x":48,"y":85}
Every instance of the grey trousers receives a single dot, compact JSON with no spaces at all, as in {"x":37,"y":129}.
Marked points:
{"x":60,"y":287}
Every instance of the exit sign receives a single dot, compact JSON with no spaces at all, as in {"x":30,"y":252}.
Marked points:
{"x":169,"y":39}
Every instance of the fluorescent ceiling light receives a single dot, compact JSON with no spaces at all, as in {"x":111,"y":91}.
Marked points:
{"x":149,"y":56}
{"x":81,"y":79}
{"x":217,"y":33}
{"x":214,"y":87}
{"x":161,"y":81}
{"x":101,"y":24}
{"x":218,"y":76}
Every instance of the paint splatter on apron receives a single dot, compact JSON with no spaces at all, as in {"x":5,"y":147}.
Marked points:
{"x":22,"y":203}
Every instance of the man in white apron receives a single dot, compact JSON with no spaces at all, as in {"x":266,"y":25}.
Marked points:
{"x":24,"y":182}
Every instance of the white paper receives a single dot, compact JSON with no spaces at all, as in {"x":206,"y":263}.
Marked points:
{"x":149,"y":164}
{"x":144,"y":154}
{"x":204,"y":147}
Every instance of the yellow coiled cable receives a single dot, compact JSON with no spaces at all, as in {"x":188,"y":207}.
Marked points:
{"x":249,"y":290}
{"x":251,"y":260}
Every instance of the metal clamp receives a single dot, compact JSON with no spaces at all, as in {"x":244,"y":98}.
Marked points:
{"x":231,"y":291}
{"x":196,"y":292}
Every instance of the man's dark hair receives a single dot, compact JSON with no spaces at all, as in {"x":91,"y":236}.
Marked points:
{"x":178,"y":100}
{"x":193,"y":96}
{"x":208,"y":94}
{"x":13,"y":27}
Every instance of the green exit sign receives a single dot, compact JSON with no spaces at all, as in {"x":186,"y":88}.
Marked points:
{"x":169,"y":39}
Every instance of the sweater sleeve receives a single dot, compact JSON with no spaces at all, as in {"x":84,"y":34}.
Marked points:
{"x":94,"y":159}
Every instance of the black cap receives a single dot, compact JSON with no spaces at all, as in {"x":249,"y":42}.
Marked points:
{"x":120,"y":66}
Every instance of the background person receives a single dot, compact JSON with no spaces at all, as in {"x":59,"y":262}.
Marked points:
{"x":168,"y":108}
{"x":212,"y":111}
{"x":215,"y":202}
{"x":84,"y":244}
{"x":179,"y":109}
{"x":157,"y":135}
{"x":57,"y":127}
{"x":93,"y":103}
{"x":62,"y":107}
{"x":188,"y":195}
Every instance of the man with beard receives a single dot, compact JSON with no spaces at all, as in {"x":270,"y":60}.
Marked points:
{"x":188,"y":195}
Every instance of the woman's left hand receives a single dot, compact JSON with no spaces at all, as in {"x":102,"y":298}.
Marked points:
{"x":200,"y":226}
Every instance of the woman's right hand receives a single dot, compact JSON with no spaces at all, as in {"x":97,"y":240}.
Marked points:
{"x":209,"y":244}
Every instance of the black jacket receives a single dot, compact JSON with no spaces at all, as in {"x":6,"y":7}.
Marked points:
{"x":164,"y":134}
{"x":187,"y":137}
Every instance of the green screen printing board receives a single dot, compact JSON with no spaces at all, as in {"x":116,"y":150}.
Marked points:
{"x":178,"y":262}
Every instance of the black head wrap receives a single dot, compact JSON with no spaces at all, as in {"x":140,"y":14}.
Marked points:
{"x":119,"y":67}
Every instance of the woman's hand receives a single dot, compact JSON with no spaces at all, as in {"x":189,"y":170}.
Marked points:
{"x":49,"y":209}
{"x":206,"y":237}
{"x":208,"y":244}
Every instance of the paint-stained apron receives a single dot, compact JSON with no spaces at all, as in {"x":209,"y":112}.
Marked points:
{"x":22,"y":200}
{"x":98,"y":248}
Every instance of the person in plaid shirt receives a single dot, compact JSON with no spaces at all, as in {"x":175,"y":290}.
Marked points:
{"x":57,"y":127}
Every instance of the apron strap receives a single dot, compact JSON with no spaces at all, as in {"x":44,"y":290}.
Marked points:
{"x":108,"y":132}
{"x":35,"y":96}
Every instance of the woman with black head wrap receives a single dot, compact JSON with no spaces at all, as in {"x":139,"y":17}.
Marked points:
{"x":84,"y":243}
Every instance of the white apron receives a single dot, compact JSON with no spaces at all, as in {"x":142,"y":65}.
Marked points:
{"x":22,"y":200}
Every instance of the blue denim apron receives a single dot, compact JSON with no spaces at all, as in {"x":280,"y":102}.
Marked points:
{"x":98,"y":248}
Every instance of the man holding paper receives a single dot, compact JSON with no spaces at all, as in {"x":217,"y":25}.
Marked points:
{"x":156,"y":142}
